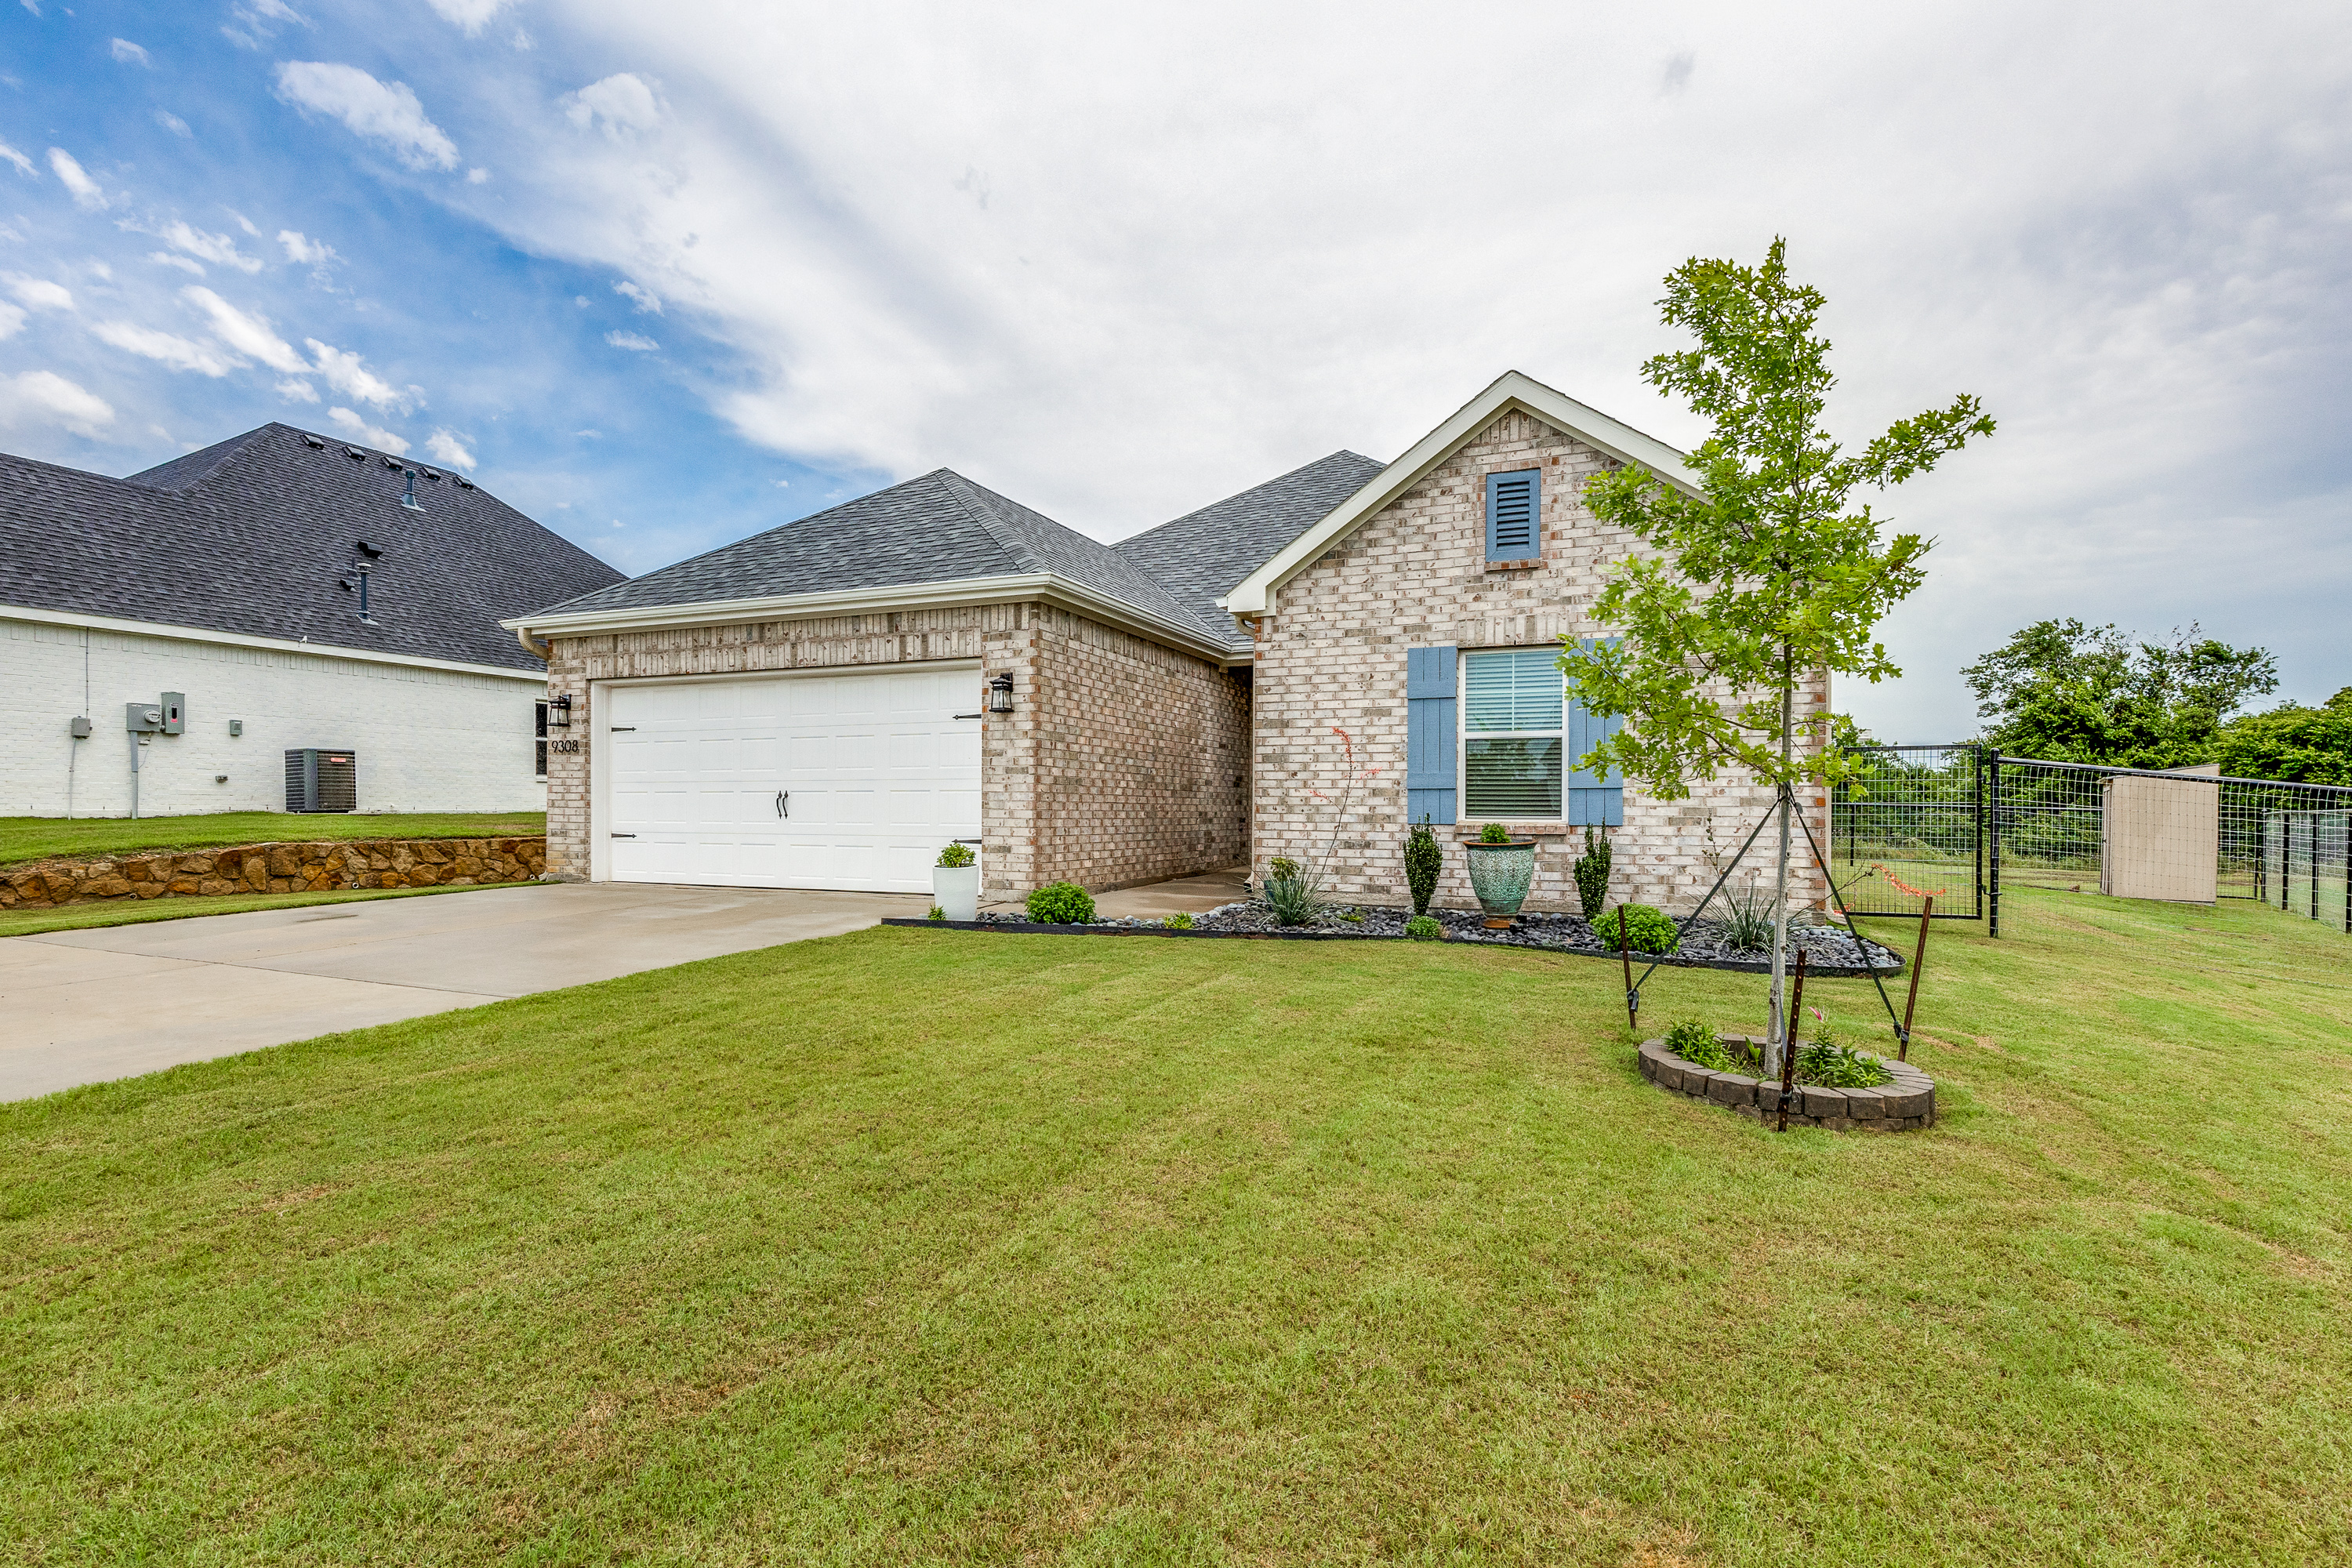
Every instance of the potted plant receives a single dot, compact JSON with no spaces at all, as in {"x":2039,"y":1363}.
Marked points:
{"x":955,"y":882}
{"x":1502,"y":869}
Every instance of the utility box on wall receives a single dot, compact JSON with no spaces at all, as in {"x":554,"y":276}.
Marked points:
{"x":321,"y":779}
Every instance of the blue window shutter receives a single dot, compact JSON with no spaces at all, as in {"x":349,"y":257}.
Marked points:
{"x":1596,"y":797}
{"x":1514,"y":515}
{"x":1429,"y":734}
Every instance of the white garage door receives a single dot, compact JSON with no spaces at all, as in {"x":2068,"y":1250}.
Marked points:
{"x":808,"y":781}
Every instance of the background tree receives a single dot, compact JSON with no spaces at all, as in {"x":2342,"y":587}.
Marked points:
{"x":2075,"y":693}
{"x":2301,"y":745}
{"x":1769,"y":574}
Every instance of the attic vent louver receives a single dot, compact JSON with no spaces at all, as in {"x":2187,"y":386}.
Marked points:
{"x":313,"y":441}
{"x":355,"y":454}
{"x":428,"y":473}
{"x":463,"y":482}
{"x":393,"y":463}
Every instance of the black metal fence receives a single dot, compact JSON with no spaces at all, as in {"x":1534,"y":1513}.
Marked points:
{"x":1960,"y":822}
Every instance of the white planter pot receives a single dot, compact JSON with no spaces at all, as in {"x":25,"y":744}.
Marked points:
{"x":956,"y":890}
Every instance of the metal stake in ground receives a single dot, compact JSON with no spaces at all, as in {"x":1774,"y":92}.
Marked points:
{"x":1903,"y":1035}
{"x":1632,"y":997}
{"x":1789,"y":1048}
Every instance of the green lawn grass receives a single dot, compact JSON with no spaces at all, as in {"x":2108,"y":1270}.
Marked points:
{"x":140,"y":911}
{"x":916,"y":1246}
{"x":24,"y":839}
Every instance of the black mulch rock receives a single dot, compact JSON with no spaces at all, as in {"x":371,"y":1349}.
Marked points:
{"x":1830,"y":951}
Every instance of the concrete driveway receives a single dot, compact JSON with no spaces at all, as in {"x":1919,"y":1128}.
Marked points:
{"x":88,"y":1005}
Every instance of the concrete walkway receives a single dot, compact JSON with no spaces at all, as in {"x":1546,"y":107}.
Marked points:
{"x":85,"y":1007}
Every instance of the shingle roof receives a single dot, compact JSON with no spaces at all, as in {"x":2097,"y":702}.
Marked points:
{"x":937,"y":528}
{"x":1203,"y":553}
{"x":253,"y":534}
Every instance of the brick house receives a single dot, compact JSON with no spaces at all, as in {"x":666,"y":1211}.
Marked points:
{"x":826,"y":703}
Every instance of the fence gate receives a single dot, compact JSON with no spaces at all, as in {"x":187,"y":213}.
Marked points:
{"x":1910,"y":824}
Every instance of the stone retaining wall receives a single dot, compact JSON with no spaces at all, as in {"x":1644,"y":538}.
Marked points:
{"x":1908,"y":1103}
{"x":322,"y":867}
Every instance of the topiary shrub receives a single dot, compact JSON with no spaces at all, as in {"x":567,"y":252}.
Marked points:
{"x":1424,"y":928}
{"x":1646,"y":930}
{"x":1061,"y":904}
{"x":955,"y":857}
{"x":1179,"y":921}
{"x":1494,"y":832}
{"x":1423,"y":862}
{"x":1592,"y":873}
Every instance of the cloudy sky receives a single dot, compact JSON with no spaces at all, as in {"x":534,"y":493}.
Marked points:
{"x":663,"y":276}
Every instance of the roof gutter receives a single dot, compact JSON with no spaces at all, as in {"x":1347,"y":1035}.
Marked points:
{"x":1043,"y":587}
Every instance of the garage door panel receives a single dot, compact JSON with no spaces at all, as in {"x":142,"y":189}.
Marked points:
{"x":880,"y":775}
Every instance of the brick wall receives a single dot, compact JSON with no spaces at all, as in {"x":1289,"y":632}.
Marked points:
{"x":1331,"y":652}
{"x":427,"y":740}
{"x":1105,"y":772}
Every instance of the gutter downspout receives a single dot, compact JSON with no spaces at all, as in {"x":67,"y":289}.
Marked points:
{"x":543,"y":651}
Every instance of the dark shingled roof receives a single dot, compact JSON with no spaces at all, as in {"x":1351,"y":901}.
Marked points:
{"x":1203,"y":555}
{"x":253,"y":534}
{"x":934,"y":528}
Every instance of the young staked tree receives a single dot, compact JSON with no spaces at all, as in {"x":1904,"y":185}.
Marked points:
{"x":1769,"y":575}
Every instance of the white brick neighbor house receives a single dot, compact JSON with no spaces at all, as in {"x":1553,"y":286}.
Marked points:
{"x":233,"y":579}
{"x":827,"y":703}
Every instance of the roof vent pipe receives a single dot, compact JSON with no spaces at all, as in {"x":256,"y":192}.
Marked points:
{"x":409,"y":500}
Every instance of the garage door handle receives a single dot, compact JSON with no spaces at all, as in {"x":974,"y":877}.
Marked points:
{"x":624,"y":836}
{"x":783,"y":803}
{"x":970,"y":715}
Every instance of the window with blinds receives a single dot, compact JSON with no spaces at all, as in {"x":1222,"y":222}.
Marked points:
{"x":1514,"y":712}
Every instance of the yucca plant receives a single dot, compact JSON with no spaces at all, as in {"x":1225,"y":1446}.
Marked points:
{"x":1746,"y":922}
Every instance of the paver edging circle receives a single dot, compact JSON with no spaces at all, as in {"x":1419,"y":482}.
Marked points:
{"x":1908,"y":1104}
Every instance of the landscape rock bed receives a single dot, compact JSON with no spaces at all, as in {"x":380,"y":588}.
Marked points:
{"x":1905,"y":1105}
{"x":300,"y":867}
{"x":1829,"y":952}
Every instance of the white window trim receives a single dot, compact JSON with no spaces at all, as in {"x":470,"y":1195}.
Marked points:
{"x":1463,"y":734}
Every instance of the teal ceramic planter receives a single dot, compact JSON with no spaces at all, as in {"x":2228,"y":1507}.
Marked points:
{"x":1501,"y":874}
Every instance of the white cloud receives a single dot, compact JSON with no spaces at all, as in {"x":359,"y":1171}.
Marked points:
{"x":128,"y":52}
{"x":635,"y":343}
{"x":245,"y":223}
{"x":12,"y":321}
{"x":173,"y":123}
{"x":359,"y":429}
{"x":84,"y":191}
{"x":783,"y":484}
{"x":182,"y":262}
{"x":246,"y":334}
{"x":167,"y":347}
{"x":39,"y":293}
{"x":470,"y":16}
{"x":647,"y":299}
{"x":260,"y":18}
{"x":38,"y":397}
{"x":294,"y":389}
{"x":619,"y":104}
{"x":304,"y":252}
{"x":24,"y":164}
{"x":387,"y":112}
{"x":214,"y":247}
{"x":450,"y":448}
{"x":342,"y":370}
{"x":478,"y":176}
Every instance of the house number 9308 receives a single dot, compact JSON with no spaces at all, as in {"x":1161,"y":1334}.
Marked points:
{"x":563,"y":745}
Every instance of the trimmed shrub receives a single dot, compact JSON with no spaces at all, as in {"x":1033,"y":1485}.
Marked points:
{"x":1423,"y":862}
{"x":1424,"y":928}
{"x":1646,"y":930}
{"x":955,"y":857}
{"x":1494,"y":832}
{"x":1592,"y":873}
{"x":1061,"y":904}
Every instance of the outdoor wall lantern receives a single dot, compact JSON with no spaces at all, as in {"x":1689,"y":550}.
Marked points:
{"x":1000,"y":694}
{"x":559,"y":711}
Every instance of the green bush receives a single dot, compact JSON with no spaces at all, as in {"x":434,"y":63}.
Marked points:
{"x":1592,"y":873}
{"x":1179,"y":921}
{"x":1061,"y":904}
{"x":1830,"y":1063}
{"x":1424,"y":928}
{"x":937,"y":913}
{"x":955,"y":856}
{"x":1494,"y":832}
{"x":1697,"y":1044}
{"x":1282,"y":868}
{"x":1646,"y":930}
{"x":1423,"y":862}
